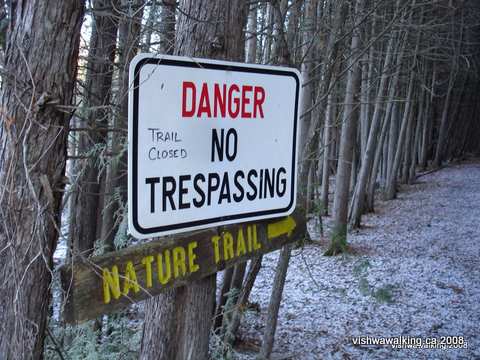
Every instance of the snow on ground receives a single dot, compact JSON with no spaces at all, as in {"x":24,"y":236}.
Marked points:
{"x":414,"y":271}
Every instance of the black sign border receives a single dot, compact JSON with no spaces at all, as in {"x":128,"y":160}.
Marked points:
{"x":134,"y":160}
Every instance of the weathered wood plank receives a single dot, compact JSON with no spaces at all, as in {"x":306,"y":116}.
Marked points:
{"x":108,"y":283}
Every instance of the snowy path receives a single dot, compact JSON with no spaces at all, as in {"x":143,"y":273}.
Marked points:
{"x":416,"y":272}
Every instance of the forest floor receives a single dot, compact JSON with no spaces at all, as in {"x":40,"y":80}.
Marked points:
{"x":414,"y":270}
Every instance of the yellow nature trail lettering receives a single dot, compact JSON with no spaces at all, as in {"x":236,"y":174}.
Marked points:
{"x":216,"y":248}
{"x":192,"y":267}
{"x":164,"y":269}
{"x":170,"y":264}
{"x":147,"y":261}
{"x":227,"y":245}
{"x":256,"y":244}
{"x":111,"y":283}
{"x":179,"y":261}
{"x":130,"y":280}
{"x":230,"y":246}
{"x":241,"y":248}
{"x":249,"y":239}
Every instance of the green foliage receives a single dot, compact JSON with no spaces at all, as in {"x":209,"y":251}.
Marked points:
{"x":122,"y":239}
{"x":361,"y":267}
{"x":317,"y":207}
{"x":338,"y":244}
{"x":98,"y":153}
{"x":318,"y":210}
{"x":221,"y":344}
{"x":219,"y":349}
{"x":364,"y":286}
{"x":383,"y":294}
{"x":119,"y":339}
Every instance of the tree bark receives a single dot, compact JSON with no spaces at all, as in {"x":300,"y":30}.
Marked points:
{"x":116,"y":177}
{"x":347,"y":142}
{"x":428,"y":123}
{"x":268,"y":24}
{"x":253,"y":270}
{"x":306,"y":68}
{"x":327,"y":153}
{"x":368,"y":156}
{"x":274,"y":304}
{"x":365,"y":104}
{"x":389,"y":124}
{"x":222,"y":298}
{"x":442,"y":133}
{"x":408,"y":146}
{"x":416,"y":137}
{"x":40,"y":67}
{"x":391,"y":188}
{"x":293,"y":36}
{"x":86,"y":201}
{"x":251,"y":36}
{"x":149,"y":26}
{"x":167,"y":27}
{"x":309,"y":135}
{"x":370,"y":196}
{"x":280,"y":50}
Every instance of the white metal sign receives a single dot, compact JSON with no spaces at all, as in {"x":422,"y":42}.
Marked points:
{"x":210,"y":143}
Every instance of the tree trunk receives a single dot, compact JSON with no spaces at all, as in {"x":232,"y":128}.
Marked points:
{"x":215,"y":21}
{"x":424,"y":139}
{"x":167,"y":27}
{"x":408,"y":146}
{"x":253,"y":270}
{"x":354,"y":171}
{"x":309,"y":136}
{"x":40,"y":71}
{"x":293,"y":36}
{"x":222,"y":298}
{"x":426,"y":135}
{"x":267,"y":48}
{"x":416,"y":137}
{"x":347,"y":142}
{"x":280,"y":50}
{"x":149,"y":26}
{"x":116,"y":178}
{"x":389,"y":123}
{"x":442,"y":133}
{"x":86,"y":202}
{"x":392,"y":138}
{"x":391,"y":188}
{"x":274,"y":304}
{"x":251,"y":35}
{"x":370,"y":196}
{"x":369,"y":154}
{"x":284,"y":257}
{"x":306,"y":68}
{"x":327,"y":153}
{"x":366,"y":83}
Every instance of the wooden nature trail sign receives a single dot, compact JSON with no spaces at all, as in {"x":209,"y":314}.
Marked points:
{"x":110,"y":282}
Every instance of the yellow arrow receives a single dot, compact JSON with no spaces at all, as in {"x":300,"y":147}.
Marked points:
{"x":284,"y":226}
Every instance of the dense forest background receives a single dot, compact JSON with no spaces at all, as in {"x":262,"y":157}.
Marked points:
{"x":390,"y":93}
